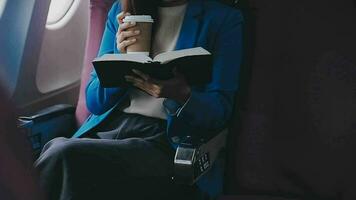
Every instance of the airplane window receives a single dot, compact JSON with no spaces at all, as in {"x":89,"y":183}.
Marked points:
{"x":2,"y":6}
{"x":63,"y":46}
{"x":57,"y":10}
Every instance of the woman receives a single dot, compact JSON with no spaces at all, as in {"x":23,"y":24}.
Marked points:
{"x":129,"y":141}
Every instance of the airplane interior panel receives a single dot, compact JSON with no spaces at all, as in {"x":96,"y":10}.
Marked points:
{"x":63,"y":47}
{"x":2,"y":6}
{"x":14,"y":32}
{"x":42,"y":79}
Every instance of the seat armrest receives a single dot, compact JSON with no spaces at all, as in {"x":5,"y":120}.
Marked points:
{"x":50,"y":113}
{"x":192,"y":162}
{"x":52,"y":122}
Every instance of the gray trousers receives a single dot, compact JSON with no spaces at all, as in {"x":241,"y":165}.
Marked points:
{"x":131,"y":161}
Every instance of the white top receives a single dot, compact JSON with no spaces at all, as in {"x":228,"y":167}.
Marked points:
{"x":165,"y":39}
{"x":168,"y":28}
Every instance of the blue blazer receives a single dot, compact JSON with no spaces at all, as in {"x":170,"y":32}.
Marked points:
{"x":208,"y":24}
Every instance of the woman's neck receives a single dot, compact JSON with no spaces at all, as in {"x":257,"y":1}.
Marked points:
{"x":171,"y":3}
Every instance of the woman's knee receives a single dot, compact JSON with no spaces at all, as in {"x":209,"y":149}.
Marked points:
{"x":66,"y":148}
{"x":53,"y":142}
{"x":59,"y":149}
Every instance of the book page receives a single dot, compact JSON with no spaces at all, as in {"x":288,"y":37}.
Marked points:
{"x":172,"y":55}
{"x":124,"y":57}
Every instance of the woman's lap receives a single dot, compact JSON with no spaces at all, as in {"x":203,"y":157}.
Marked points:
{"x":75,"y":167}
{"x":96,"y":168}
{"x":130,"y":153}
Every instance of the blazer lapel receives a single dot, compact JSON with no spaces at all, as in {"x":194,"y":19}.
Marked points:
{"x":191,"y":25}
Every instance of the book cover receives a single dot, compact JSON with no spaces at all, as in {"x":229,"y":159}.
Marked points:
{"x":195,"y":64}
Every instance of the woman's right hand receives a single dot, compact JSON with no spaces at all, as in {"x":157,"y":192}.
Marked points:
{"x":124,"y":37}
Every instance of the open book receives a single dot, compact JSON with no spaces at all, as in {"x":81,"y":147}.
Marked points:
{"x":195,"y":64}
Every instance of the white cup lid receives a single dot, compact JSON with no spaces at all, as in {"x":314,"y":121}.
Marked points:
{"x":138,"y":18}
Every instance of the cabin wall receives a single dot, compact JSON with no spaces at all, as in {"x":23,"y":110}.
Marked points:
{"x":43,"y":60}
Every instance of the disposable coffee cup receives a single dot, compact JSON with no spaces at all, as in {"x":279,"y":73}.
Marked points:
{"x":143,"y":40}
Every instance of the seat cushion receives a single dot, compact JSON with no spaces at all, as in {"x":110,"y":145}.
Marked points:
{"x":296,"y":135}
{"x":98,"y":15}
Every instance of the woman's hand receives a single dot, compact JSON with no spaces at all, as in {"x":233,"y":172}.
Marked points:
{"x":176,"y":88}
{"x":125,"y":38}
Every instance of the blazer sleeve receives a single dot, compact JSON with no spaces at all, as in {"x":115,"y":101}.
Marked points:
{"x":99,"y":99}
{"x":211,"y":107}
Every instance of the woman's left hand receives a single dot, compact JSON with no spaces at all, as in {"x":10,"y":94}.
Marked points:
{"x":175,"y":88}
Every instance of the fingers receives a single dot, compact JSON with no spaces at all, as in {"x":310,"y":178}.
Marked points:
{"x":122,"y":40}
{"x":147,"y":78}
{"x":127,"y":34}
{"x":122,"y":35}
{"x":132,"y":79}
{"x":125,"y":26}
{"x":141,"y":84}
{"x":122,"y":45}
{"x":175,"y":88}
{"x":120,"y":17}
{"x":141,"y":74}
{"x":145,"y":83}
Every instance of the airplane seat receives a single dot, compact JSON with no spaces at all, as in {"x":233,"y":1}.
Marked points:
{"x":296,"y":136}
{"x":98,"y":14}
